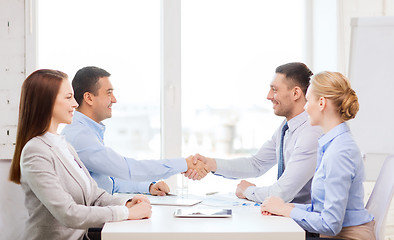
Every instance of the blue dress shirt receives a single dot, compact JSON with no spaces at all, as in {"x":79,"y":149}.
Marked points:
{"x":337,"y":187}
{"x":112,"y":171}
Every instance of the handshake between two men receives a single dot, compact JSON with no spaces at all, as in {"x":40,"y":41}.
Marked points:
{"x":199,"y":166}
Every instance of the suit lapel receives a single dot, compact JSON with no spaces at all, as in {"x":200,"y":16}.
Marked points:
{"x":70,"y":169}
{"x":86,"y":171}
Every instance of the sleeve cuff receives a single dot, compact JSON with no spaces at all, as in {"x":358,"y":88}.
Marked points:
{"x":250,"y":193}
{"x":144,"y":187}
{"x":298,"y":214}
{"x":222,"y":168}
{"x":125,"y":213}
{"x":301,"y":206}
{"x":220,"y":165}
{"x":179,"y":164}
{"x":120,"y":213}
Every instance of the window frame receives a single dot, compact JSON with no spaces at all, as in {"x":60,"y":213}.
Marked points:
{"x":170,"y":111}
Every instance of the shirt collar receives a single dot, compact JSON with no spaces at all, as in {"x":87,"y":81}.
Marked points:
{"x":56,"y":139}
{"x":333,"y":133}
{"x":99,"y":128}
{"x":297,"y":121}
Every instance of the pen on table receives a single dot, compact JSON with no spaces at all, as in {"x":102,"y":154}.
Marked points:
{"x":211,"y":193}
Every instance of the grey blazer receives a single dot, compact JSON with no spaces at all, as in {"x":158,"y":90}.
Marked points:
{"x":58,"y":205}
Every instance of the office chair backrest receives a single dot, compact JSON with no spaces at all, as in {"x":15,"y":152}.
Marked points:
{"x":379,"y":202}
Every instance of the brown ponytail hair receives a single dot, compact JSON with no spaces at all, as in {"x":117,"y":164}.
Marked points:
{"x":336,"y":87}
{"x":38,"y":96}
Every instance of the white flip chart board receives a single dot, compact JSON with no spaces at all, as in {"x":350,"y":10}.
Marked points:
{"x":371,"y":72}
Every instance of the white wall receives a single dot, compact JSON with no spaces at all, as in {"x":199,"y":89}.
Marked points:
{"x":349,"y":9}
{"x":331,"y":29}
{"x":12,"y":206}
{"x":12,"y":74}
{"x":12,"y":70}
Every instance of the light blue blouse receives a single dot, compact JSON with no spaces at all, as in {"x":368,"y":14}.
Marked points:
{"x":337,"y":188}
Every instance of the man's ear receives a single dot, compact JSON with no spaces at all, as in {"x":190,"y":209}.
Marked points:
{"x":88,"y":98}
{"x":297,"y":93}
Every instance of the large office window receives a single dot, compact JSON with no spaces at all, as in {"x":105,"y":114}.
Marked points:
{"x":230,"y":49}
{"x":122,"y":37}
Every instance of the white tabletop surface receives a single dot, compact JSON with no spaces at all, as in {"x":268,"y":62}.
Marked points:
{"x":246,"y":223}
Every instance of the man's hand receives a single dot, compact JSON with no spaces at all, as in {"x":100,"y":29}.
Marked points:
{"x":198,"y":169}
{"x":210,"y":163}
{"x":159,"y":189}
{"x":241,"y":188}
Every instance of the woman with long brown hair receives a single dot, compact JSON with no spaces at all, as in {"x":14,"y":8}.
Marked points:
{"x":62,"y":199}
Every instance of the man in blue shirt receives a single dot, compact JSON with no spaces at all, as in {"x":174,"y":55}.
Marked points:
{"x":112,"y":171}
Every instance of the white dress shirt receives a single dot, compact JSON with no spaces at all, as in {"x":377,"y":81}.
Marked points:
{"x":60,"y":142}
{"x":300,"y":149}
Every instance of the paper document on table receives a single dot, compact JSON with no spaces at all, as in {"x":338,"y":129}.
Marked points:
{"x":202,"y":213}
{"x":227,"y":200}
{"x":173,"y":201}
{"x":169,"y":200}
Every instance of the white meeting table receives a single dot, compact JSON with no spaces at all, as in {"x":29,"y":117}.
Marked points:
{"x":246,"y":223}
